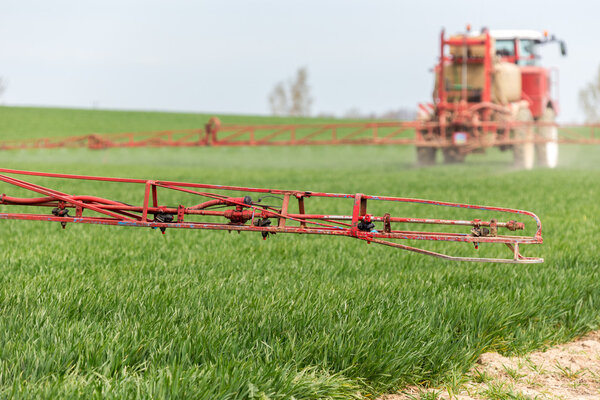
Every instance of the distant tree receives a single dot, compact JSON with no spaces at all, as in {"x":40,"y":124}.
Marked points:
{"x":589,"y":97}
{"x":293,"y":99}
{"x":278,"y":100}
{"x":2,"y":86}
{"x":300,"y":94}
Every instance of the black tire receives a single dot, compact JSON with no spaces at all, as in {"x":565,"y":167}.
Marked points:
{"x":426,"y":156}
{"x":452,"y":155}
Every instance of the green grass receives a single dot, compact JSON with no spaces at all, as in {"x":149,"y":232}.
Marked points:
{"x":109,"y":312}
{"x":38,"y":122}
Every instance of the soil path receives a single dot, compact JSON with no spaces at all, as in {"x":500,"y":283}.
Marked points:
{"x":569,"y":371}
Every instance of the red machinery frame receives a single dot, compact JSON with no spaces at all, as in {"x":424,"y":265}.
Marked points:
{"x":216,"y":134}
{"x":442,"y":103}
{"x":463,"y":113}
{"x":243,"y":214}
{"x":469,"y":120}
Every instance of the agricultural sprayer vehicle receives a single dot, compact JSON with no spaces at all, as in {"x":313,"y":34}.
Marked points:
{"x":490,"y":91}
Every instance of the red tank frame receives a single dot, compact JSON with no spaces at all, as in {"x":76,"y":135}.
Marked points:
{"x":441,"y":102}
{"x":535,"y":80}
{"x":244,"y":214}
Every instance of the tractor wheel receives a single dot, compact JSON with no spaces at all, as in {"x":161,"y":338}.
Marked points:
{"x":524,"y":152}
{"x":547,"y":153}
{"x":426,"y":155}
{"x":453,"y":156}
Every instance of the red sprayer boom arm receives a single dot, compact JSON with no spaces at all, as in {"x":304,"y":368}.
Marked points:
{"x":215,"y":134}
{"x":245,"y":209}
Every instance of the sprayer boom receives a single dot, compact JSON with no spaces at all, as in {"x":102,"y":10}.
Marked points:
{"x":267,"y":211}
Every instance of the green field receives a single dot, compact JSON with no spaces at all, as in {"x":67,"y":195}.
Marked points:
{"x":31,"y":122}
{"x":108,"y":312}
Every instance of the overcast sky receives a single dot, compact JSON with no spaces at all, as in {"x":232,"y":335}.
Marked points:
{"x":225,"y":56}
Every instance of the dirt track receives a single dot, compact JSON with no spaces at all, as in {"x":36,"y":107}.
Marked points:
{"x":569,"y":371}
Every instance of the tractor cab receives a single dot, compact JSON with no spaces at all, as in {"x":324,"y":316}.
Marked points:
{"x":521,"y":46}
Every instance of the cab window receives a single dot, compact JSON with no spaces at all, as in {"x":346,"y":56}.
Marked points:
{"x":505,"y":48}
{"x":527,"y":54}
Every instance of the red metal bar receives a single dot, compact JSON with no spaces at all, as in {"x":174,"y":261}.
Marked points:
{"x":373,"y":133}
{"x":441,"y":83}
{"x":245,"y":214}
{"x":487,"y":67}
